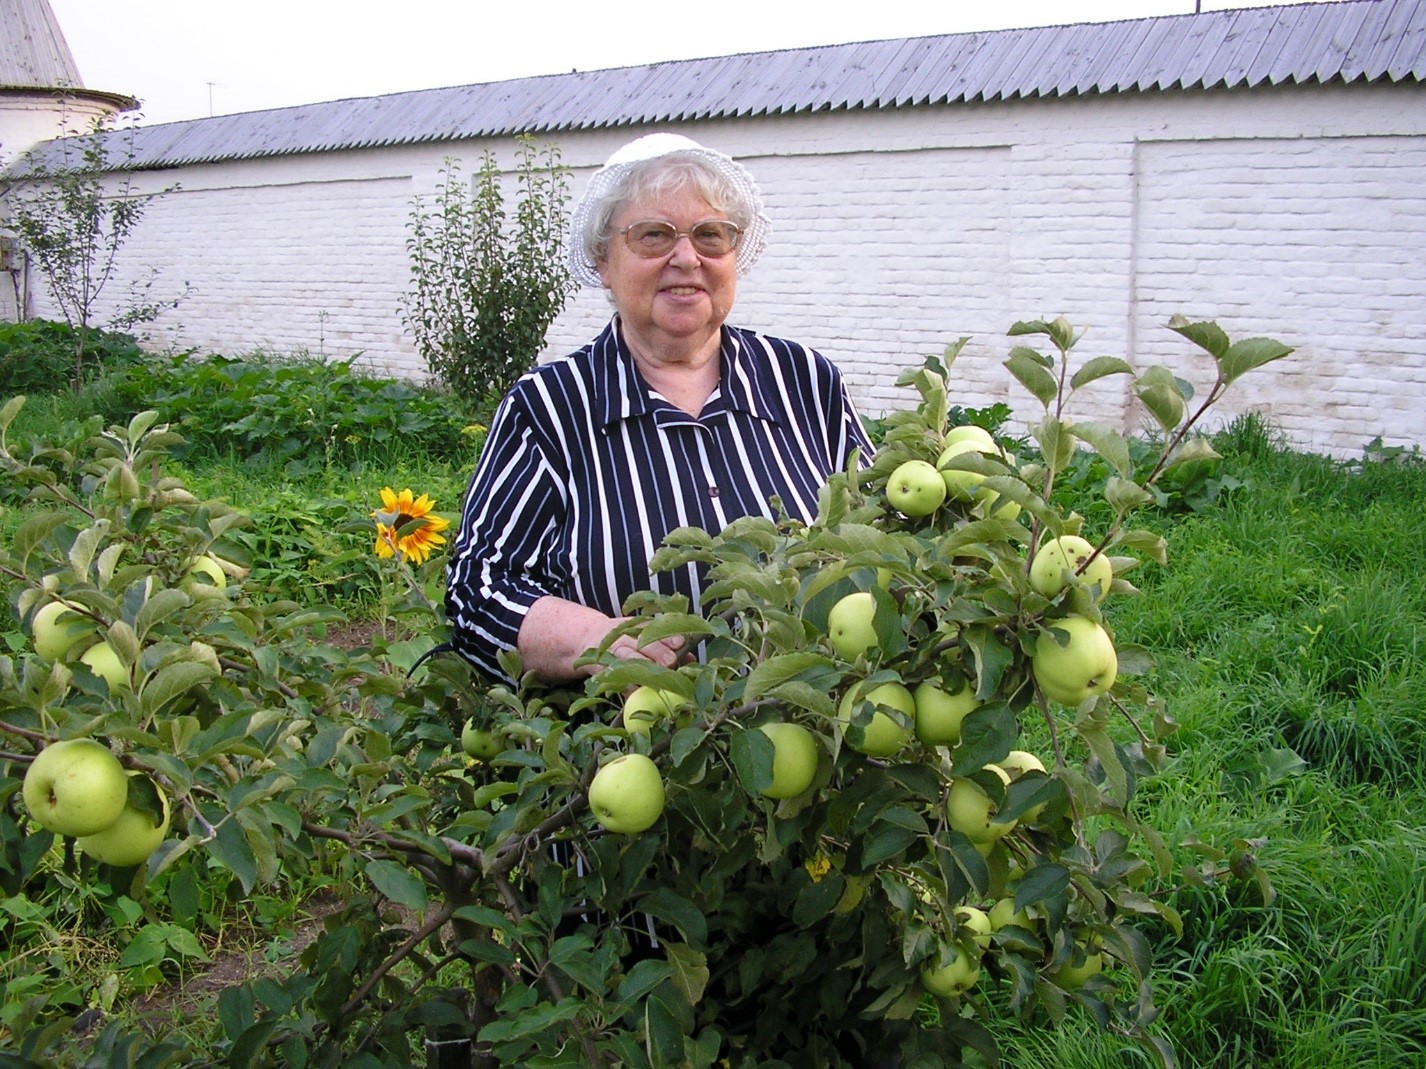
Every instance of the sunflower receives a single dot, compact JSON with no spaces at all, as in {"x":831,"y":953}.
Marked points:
{"x":405,"y":525}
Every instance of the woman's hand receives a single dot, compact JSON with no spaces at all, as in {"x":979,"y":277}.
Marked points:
{"x":556,"y":633}
{"x":667,"y":652}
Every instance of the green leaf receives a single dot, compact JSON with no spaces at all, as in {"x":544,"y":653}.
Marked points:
{"x":1159,"y":391}
{"x":1103,"y":747}
{"x":1146,"y":543}
{"x":1046,"y":880}
{"x":1134,"y":660}
{"x":236,"y":1009}
{"x":231,"y":849}
{"x":140,"y":424}
{"x":988,"y":733}
{"x":884,"y":843}
{"x":486,"y":917}
{"x":1207,"y":335}
{"x":993,"y":658}
{"x":10,"y":410}
{"x":690,"y":971}
{"x":171,"y":682}
{"x":35,"y":530}
{"x":673,"y":909}
{"x":1125,"y":496}
{"x":671,"y":624}
{"x":158,"y":608}
{"x":1108,"y":443}
{"x":816,"y":899}
{"x":397,"y":883}
{"x":324,"y":744}
{"x":663,"y":1028}
{"x":1029,"y":370}
{"x":781,"y":668}
{"x":1098,"y":368}
{"x":1191,"y":450}
{"x":643,"y":978}
{"x":86,"y":542}
{"x":751,"y":752}
{"x":1248,"y":354}
{"x":1056,"y":441}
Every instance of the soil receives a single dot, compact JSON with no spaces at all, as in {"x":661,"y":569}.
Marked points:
{"x":244,"y":958}
{"x":353,"y":634}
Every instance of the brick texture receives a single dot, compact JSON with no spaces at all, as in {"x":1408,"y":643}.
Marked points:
{"x":1298,"y":213}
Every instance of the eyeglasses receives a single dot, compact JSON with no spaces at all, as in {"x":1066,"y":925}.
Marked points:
{"x":651,"y":238}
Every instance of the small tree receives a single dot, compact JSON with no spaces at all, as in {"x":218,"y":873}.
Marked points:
{"x":483,"y":294}
{"x":72,"y":227}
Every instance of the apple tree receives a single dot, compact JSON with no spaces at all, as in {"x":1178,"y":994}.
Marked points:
{"x":892,"y":799}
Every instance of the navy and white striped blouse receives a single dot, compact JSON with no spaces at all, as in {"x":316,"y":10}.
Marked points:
{"x":586,"y":469}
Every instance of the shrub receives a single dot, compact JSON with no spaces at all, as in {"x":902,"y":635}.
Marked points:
{"x":37,"y":357}
{"x":299,"y":413}
{"x":484,"y":291}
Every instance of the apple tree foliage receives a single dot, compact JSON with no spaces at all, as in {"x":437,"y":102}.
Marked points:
{"x":486,"y":906}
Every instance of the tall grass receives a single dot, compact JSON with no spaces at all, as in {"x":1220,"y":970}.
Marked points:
{"x":1289,"y":633}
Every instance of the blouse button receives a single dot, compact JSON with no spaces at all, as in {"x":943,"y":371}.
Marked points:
{"x":712,"y":491}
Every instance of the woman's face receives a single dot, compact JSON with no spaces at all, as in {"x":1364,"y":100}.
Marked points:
{"x":669,"y":305}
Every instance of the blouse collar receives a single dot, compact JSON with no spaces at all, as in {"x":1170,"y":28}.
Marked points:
{"x":623,"y":393}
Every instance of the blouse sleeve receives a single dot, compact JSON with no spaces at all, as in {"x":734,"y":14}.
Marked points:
{"x":502,"y":559}
{"x":845,"y":429}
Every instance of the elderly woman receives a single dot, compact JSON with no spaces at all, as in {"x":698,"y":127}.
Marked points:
{"x":669,"y":418}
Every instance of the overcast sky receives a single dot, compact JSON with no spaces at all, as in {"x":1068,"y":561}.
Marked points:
{"x":186,"y":59}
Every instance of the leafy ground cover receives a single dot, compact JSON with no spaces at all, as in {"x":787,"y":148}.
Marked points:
{"x":1287,"y":636}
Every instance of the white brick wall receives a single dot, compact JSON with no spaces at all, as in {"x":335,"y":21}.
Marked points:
{"x":1296,"y":212}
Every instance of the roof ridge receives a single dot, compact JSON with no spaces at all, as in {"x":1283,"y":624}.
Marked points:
{"x":1290,"y":44}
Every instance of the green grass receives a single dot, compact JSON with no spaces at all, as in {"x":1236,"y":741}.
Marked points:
{"x":1289,"y":633}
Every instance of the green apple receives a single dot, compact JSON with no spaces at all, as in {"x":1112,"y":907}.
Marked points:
{"x":646,"y":705}
{"x":1004,"y":914}
{"x":130,"y":839}
{"x":963,"y":485}
{"x":1068,"y":554}
{"x":56,"y":628}
{"x":794,"y":760}
{"x":954,"y":978}
{"x":939,"y":713}
{"x":75,"y":787}
{"x":1085,"y":963}
{"x":850,"y":625}
{"x":884,"y":737}
{"x":626,"y":795}
{"x":479,"y":742}
{"x":969,"y":432}
{"x":206,"y":566}
{"x":976,"y":922}
{"x":1084,"y":667}
{"x":104,"y":663}
{"x":915,"y":489}
{"x":970,"y":810}
{"x":1017,"y":763}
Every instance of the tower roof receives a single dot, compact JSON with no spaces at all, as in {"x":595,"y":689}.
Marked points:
{"x":33,"y":51}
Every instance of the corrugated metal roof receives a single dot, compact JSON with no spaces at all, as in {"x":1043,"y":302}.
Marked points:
{"x":1355,"y":40}
{"x":33,"y":51}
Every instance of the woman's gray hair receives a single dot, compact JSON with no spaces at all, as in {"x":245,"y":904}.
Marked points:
{"x":649,"y":168}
